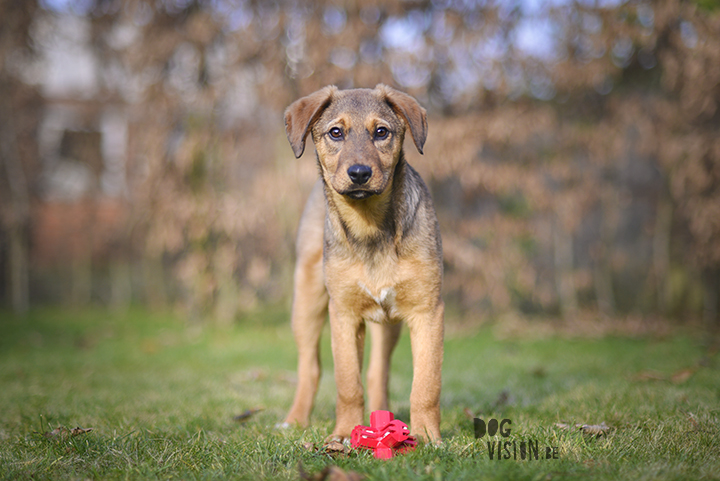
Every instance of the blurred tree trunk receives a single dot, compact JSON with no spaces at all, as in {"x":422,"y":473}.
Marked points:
{"x":16,"y":109}
{"x":602,"y":266}
{"x":17,"y":215}
{"x":81,"y":286}
{"x":120,"y":281}
{"x":19,"y":271}
{"x":563,"y":258}
{"x":82,"y":262}
{"x":661,"y":252}
{"x":711,"y":297}
{"x":226,"y":304}
{"x":154,"y":282}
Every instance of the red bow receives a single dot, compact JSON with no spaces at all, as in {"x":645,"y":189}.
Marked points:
{"x":384,"y":436}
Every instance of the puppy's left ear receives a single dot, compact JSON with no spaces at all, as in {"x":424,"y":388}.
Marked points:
{"x":302,"y":114}
{"x":410,"y":110}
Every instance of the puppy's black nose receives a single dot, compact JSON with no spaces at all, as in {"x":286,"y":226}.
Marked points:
{"x":359,"y":174}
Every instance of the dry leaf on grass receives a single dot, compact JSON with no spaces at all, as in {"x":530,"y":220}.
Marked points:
{"x":468,"y":412}
{"x":696,"y":426}
{"x":682,"y":375}
{"x":503,"y":399}
{"x":594,"y":429}
{"x":649,"y":376}
{"x":62,"y":432}
{"x":591,"y":429}
{"x":78,"y":430}
{"x":242,"y":417}
{"x":331,"y":473}
{"x":678,"y":377}
{"x":693,"y":420}
{"x":335,"y":448}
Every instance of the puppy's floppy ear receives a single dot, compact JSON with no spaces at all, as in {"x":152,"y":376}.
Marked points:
{"x":410,"y":110}
{"x":301,"y":114}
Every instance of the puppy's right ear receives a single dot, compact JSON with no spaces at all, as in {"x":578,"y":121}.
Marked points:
{"x":302,"y":114}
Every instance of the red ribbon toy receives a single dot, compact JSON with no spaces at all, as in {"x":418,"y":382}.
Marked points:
{"x":385,"y":436}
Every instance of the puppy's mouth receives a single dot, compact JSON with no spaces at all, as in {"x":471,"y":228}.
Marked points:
{"x":359,"y":194}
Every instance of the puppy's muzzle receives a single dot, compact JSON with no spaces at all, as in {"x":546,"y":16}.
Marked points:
{"x":359,"y":174}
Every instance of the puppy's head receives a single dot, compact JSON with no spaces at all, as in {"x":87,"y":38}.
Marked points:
{"x":358,"y":135}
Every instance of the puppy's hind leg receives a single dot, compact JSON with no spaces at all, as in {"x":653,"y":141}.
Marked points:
{"x":310,"y":306}
{"x":383,"y":339}
{"x":308,"y":318}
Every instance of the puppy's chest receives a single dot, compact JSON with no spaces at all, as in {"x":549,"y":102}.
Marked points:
{"x":379,"y":288}
{"x":374,"y":285}
{"x":378,"y":304}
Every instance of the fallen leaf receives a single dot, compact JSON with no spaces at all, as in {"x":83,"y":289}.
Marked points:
{"x":76,"y":431}
{"x":56,"y":433}
{"x":682,"y":375}
{"x":63,"y":432}
{"x":678,"y":377}
{"x":335,"y":447}
{"x":503,"y":399}
{"x":469,"y":413}
{"x":594,"y":429}
{"x":696,"y":426}
{"x":241,"y":418}
{"x":331,"y":473}
{"x":649,"y":376}
{"x":693,"y":420}
{"x":308,"y":446}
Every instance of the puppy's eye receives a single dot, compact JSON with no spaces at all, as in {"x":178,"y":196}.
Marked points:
{"x":336,"y":133}
{"x":381,"y":133}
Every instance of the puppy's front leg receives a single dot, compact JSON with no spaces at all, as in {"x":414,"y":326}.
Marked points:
{"x":426,"y":339}
{"x":348,"y":340}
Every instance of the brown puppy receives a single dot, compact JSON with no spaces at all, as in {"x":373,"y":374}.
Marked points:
{"x":368,"y":252}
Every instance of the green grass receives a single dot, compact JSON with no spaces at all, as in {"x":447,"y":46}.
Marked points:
{"x":161,"y":395}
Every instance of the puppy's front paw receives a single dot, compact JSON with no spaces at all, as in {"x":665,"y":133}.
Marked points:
{"x":338,"y":438}
{"x":428,"y":436}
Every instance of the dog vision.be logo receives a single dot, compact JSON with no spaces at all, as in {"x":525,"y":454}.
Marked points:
{"x":505,"y":448}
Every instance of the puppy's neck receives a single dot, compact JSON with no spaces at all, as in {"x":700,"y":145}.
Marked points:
{"x":368,"y":222}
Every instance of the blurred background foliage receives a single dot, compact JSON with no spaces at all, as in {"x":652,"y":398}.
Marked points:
{"x":573,"y":154}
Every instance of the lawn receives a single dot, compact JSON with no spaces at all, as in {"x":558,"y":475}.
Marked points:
{"x":161,"y":395}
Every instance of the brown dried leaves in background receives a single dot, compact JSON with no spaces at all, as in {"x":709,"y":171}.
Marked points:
{"x":580,"y":173}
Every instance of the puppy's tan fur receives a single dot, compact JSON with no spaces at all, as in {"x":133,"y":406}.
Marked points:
{"x":368,"y":252}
